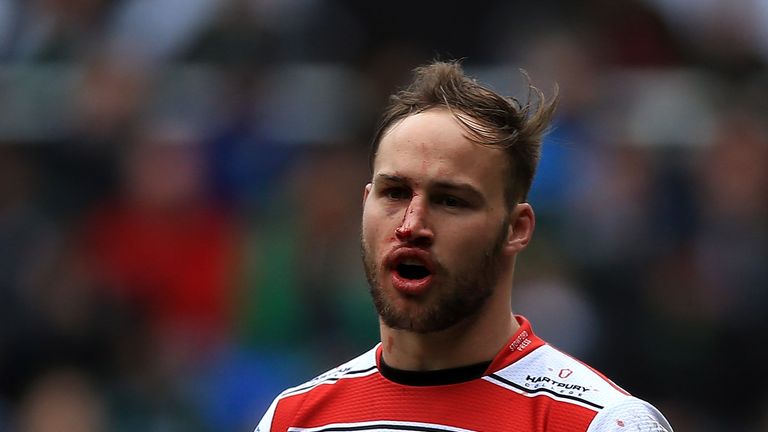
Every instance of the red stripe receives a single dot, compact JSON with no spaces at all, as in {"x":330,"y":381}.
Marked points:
{"x":477,"y":405}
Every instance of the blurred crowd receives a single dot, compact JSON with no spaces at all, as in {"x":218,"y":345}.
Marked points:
{"x":180,"y":186}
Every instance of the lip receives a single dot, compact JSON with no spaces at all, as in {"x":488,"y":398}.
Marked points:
{"x":410,"y":287}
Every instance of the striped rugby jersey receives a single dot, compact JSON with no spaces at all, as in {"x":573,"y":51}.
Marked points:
{"x":529,"y":386}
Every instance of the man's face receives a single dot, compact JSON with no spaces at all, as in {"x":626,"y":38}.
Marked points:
{"x":435,"y":224}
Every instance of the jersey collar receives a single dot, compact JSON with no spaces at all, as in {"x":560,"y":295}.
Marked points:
{"x":523,"y":342}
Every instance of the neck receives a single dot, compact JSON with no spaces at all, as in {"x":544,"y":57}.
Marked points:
{"x":474,"y":340}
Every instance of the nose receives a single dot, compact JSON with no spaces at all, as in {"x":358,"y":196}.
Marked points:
{"x":415,"y":227}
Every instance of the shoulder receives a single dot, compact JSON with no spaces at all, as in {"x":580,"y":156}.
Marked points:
{"x":630,"y":414}
{"x":361,"y":366}
{"x":549,"y":373}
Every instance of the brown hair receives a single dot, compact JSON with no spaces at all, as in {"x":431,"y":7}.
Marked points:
{"x":489,"y":118}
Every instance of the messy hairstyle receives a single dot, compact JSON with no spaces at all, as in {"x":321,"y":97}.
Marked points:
{"x":488,"y":118}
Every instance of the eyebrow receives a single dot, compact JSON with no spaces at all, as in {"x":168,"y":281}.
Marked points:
{"x":443,"y":185}
{"x":390,"y":178}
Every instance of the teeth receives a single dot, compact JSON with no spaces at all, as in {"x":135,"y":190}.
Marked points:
{"x":411,"y":261}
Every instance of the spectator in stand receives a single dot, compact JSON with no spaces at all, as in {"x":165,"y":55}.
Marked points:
{"x":161,"y":245}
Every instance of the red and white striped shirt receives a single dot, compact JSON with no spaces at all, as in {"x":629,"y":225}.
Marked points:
{"x":529,"y":386}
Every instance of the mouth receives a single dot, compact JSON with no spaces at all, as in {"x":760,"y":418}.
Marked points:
{"x":411,"y":271}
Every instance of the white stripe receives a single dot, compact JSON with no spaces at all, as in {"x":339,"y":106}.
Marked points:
{"x":329,"y":380}
{"x":364,"y":361}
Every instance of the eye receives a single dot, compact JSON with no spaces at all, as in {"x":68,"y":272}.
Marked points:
{"x":451,"y":201}
{"x":397,"y":193}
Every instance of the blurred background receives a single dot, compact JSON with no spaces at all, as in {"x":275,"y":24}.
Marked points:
{"x":180,"y":185}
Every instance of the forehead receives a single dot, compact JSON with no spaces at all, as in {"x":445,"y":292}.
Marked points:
{"x":431,"y":148}
{"x":432,"y":144}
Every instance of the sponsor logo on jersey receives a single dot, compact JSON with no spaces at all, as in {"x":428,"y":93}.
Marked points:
{"x":537,"y":382}
{"x":521,"y":342}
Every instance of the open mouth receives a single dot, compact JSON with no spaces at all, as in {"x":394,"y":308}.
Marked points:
{"x":412,"y":270}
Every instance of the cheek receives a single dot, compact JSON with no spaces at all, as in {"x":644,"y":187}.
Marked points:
{"x":370,"y":229}
{"x":378,"y":222}
{"x":470,"y":238}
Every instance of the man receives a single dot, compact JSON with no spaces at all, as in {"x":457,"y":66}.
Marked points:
{"x":444,"y":217}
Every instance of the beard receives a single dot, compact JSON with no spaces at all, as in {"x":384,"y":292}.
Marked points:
{"x":459,"y":295}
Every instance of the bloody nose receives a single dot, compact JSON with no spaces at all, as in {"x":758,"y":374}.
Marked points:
{"x":403,"y":233}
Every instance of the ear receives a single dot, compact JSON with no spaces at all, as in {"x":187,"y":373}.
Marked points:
{"x":366,"y":192}
{"x":521,"y":224}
